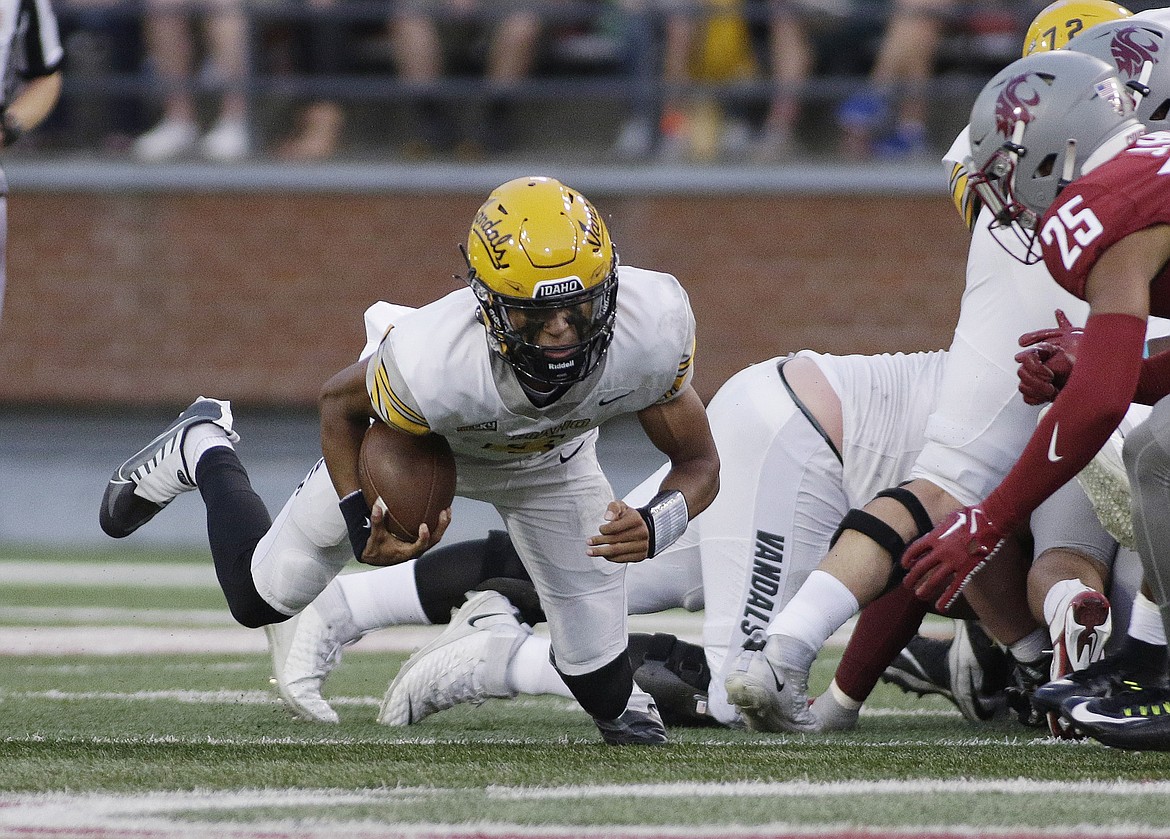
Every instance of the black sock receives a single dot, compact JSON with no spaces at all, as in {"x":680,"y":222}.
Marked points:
{"x":1143,"y":656}
{"x":236,"y":520}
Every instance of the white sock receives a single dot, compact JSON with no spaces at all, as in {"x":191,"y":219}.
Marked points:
{"x":818,"y":609}
{"x":201,"y":437}
{"x":383,"y":597}
{"x":1145,"y":621}
{"x":842,"y":698}
{"x":1056,"y":604}
{"x":531,"y":673}
{"x":1031,"y":647}
{"x":836,"y":710}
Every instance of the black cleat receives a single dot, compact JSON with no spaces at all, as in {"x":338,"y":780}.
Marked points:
{"x":1138,"y":720}
{"x":153,"y":477}
{"x":1109,"y":676}
{"x":969,"y":670}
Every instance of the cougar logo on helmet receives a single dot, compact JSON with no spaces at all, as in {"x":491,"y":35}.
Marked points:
{"x":1013,"y":105}
{"x":1130,"y":53}
{"x":1136,"y":48}
{"x":1055,"y":110}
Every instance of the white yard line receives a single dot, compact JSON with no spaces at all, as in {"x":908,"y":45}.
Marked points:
{"x":179,"y":639}
{"x":108,"y":631}
{"x":169,"y":815}
{"x":100,"y":573}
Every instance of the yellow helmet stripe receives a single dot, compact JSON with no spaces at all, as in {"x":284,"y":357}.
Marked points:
{"x":392,"y":409}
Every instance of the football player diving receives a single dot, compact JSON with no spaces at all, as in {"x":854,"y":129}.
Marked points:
{"x":551,"y":338}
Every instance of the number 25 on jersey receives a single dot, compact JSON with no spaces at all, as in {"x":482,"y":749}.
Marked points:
{"x":1072,"y":230}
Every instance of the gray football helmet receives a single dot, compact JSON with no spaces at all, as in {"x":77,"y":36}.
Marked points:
{"x":1139,"y":49}
{"x":1033,"y":127}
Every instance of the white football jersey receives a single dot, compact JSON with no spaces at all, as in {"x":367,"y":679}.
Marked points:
{"x":434,"y":371}
{"x":885,"y":402}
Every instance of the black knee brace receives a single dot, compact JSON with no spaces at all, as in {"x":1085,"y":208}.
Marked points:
{"x":604,"y":692}
{"x":675,"y":673}
{"x":886,"y":537}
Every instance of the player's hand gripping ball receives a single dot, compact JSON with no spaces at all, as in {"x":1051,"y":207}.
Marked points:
{"x":411,"y":478}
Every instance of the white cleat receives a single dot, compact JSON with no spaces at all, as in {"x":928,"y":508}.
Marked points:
{"x":978,"y":670}
{"x":1079,"y":633}
{"x":305,"y":649}
{"x":836,"y":710}
{"x":158,"y":473}
{"x":468,"y":662}
{"x":769,"y":695}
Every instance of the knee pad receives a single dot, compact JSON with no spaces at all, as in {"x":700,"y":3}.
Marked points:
{"x":885,"y":536}
{"x":604,"y":692}
{"x":676,"y":674}
{"x":443,"y":576}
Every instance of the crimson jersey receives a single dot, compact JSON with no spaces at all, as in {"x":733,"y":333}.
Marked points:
{"x":1096,"y":211}
{"x":1126,"y":194}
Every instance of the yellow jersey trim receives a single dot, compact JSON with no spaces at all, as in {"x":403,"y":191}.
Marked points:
{"x":685,"y":368}
{"x":393,"y":410}
{"x":966,"y":201}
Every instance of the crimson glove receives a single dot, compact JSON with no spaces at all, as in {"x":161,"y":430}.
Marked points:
{"x":1046,"y":364}
{"x":941,"y":563}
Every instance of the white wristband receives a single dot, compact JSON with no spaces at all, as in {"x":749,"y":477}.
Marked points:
{"x":666,"y":516}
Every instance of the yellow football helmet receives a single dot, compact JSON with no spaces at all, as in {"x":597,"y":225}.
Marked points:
{"x":537,"y":248}
{"x":1059,"y":22}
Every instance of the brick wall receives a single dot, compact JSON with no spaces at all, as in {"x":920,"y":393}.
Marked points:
{"x":153,"y":299}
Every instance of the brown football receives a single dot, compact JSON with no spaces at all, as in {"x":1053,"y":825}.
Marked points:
{"x":413,"y":478}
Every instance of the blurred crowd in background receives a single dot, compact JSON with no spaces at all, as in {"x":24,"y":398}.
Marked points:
{"x":765,"y":81}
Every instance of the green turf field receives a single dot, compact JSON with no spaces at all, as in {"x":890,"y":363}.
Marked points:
{"x":179,"y":741}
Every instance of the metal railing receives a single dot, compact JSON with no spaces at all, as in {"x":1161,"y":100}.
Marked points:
{"x":624,"y":74}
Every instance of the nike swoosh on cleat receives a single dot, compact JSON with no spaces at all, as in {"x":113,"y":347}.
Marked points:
{"x":775,"y":677}
{"x":481,"y":616}
{"x":1082,"y":714}
{"x":613,"y":399}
